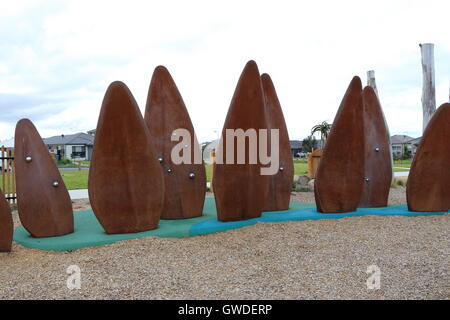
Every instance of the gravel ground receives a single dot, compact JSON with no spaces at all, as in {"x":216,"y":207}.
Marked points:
{"x":323,"y":259}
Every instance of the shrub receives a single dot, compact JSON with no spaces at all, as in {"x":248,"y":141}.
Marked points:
{"x":64,"y":161}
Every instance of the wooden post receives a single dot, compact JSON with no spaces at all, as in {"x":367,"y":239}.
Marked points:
{"x":310,"y":166}
{"x":371,"y":80}
{"x":428,"y":89}
{"x":2,"y":174}
{"x":7,"y":176}
{"x":79,"y":165}
{"x":213,"y":159}
{"x":13,"y":174}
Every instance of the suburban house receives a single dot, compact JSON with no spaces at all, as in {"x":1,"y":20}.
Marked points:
{"x":92,"y":132}
{"x":296,"y":147}
{"x":399,"y":142}
{"x":76,"y":146}
{"x":415,"y":144}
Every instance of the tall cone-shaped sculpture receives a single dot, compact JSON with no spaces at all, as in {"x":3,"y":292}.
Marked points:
{"x":428,"y":187}
{"x":43,"y":202}
{"x":170,"y":129}
{"x":280,"y":184}
{"x":239,"y":188}
{"x":126,"y":188}
{"x":340,"y":175}
{"x":6,"y":225}
{"x":377,"y":154}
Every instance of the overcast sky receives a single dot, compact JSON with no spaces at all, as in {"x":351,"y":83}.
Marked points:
{"x":58,"y":57}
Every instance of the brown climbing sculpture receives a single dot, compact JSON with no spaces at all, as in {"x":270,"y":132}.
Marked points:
{"x":126,"y":188}
{"x":377,"y":154}
{"x":280,"y":184}
{"x":185,"y":183}
{"x":43,"y":202}
{"x":428,"y":186}
{"x":6,"y":225}
{"x":340,"y":175}
{"x":239,"y":189}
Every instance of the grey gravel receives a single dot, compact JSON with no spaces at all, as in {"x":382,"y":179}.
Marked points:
{"x":323,"y":259}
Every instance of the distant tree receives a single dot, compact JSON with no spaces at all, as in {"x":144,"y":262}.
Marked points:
{"x":406,"y":153}
{"x":309,"y":143}
{"x":324,"y":129}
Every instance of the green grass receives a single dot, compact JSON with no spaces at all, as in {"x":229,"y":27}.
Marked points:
{"x":403,"y":163}
{"x":76,"y":179}
{"x":300,"y":167}
{"x":401,"y":170}
{"x":84,"y":164}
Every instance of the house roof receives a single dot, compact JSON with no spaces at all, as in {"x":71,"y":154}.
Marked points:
{"x":400,"y":139}
{"x":415,"y":141}
{"x":69,"y":139}
{"x":295,"y":144}
{"x":92,"y":131}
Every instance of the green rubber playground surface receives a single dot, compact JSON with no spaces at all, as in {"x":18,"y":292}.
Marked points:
{"x":89,"y":233}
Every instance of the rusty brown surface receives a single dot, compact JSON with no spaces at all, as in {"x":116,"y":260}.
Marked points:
{"x":239,"y":189}
{"x":45,"y":210}
{"x":6,"y":225}
{"x":126,"y":188}
{"x":339,"y":178}
{"x":377,"y":154}
{"x":428,"y":186}
{"x":166,"y":112}
{"x":280,"y":184}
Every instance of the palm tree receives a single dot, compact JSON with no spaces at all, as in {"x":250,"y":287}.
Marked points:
{"x":324,"y":129}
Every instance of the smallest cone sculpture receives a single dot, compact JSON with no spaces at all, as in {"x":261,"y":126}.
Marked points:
{"x":6,"y":225}
{"x":428,"y":187}
{"x":44,"y":205}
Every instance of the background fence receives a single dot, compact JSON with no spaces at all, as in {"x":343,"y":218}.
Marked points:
{"x":7,"y":174}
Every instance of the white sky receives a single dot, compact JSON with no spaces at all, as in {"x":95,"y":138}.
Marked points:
{"x":58,"y":57}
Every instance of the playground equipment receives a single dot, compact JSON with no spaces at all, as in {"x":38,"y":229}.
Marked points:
{"x":135,"y":180}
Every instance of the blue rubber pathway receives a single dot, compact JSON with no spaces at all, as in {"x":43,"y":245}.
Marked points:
{"x":89,"y":232}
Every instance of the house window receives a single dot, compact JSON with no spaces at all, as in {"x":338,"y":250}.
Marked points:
{"x":78,"y":151}
{"x":397,"y":149}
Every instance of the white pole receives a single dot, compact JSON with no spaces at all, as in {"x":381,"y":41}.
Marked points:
{"x":428,"y":89}
{"x":371,"y":80}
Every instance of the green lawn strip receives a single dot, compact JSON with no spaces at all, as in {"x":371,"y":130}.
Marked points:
{"x":300,"y":168}
{"x":401,"y":170}
{"x":75,"y":179}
